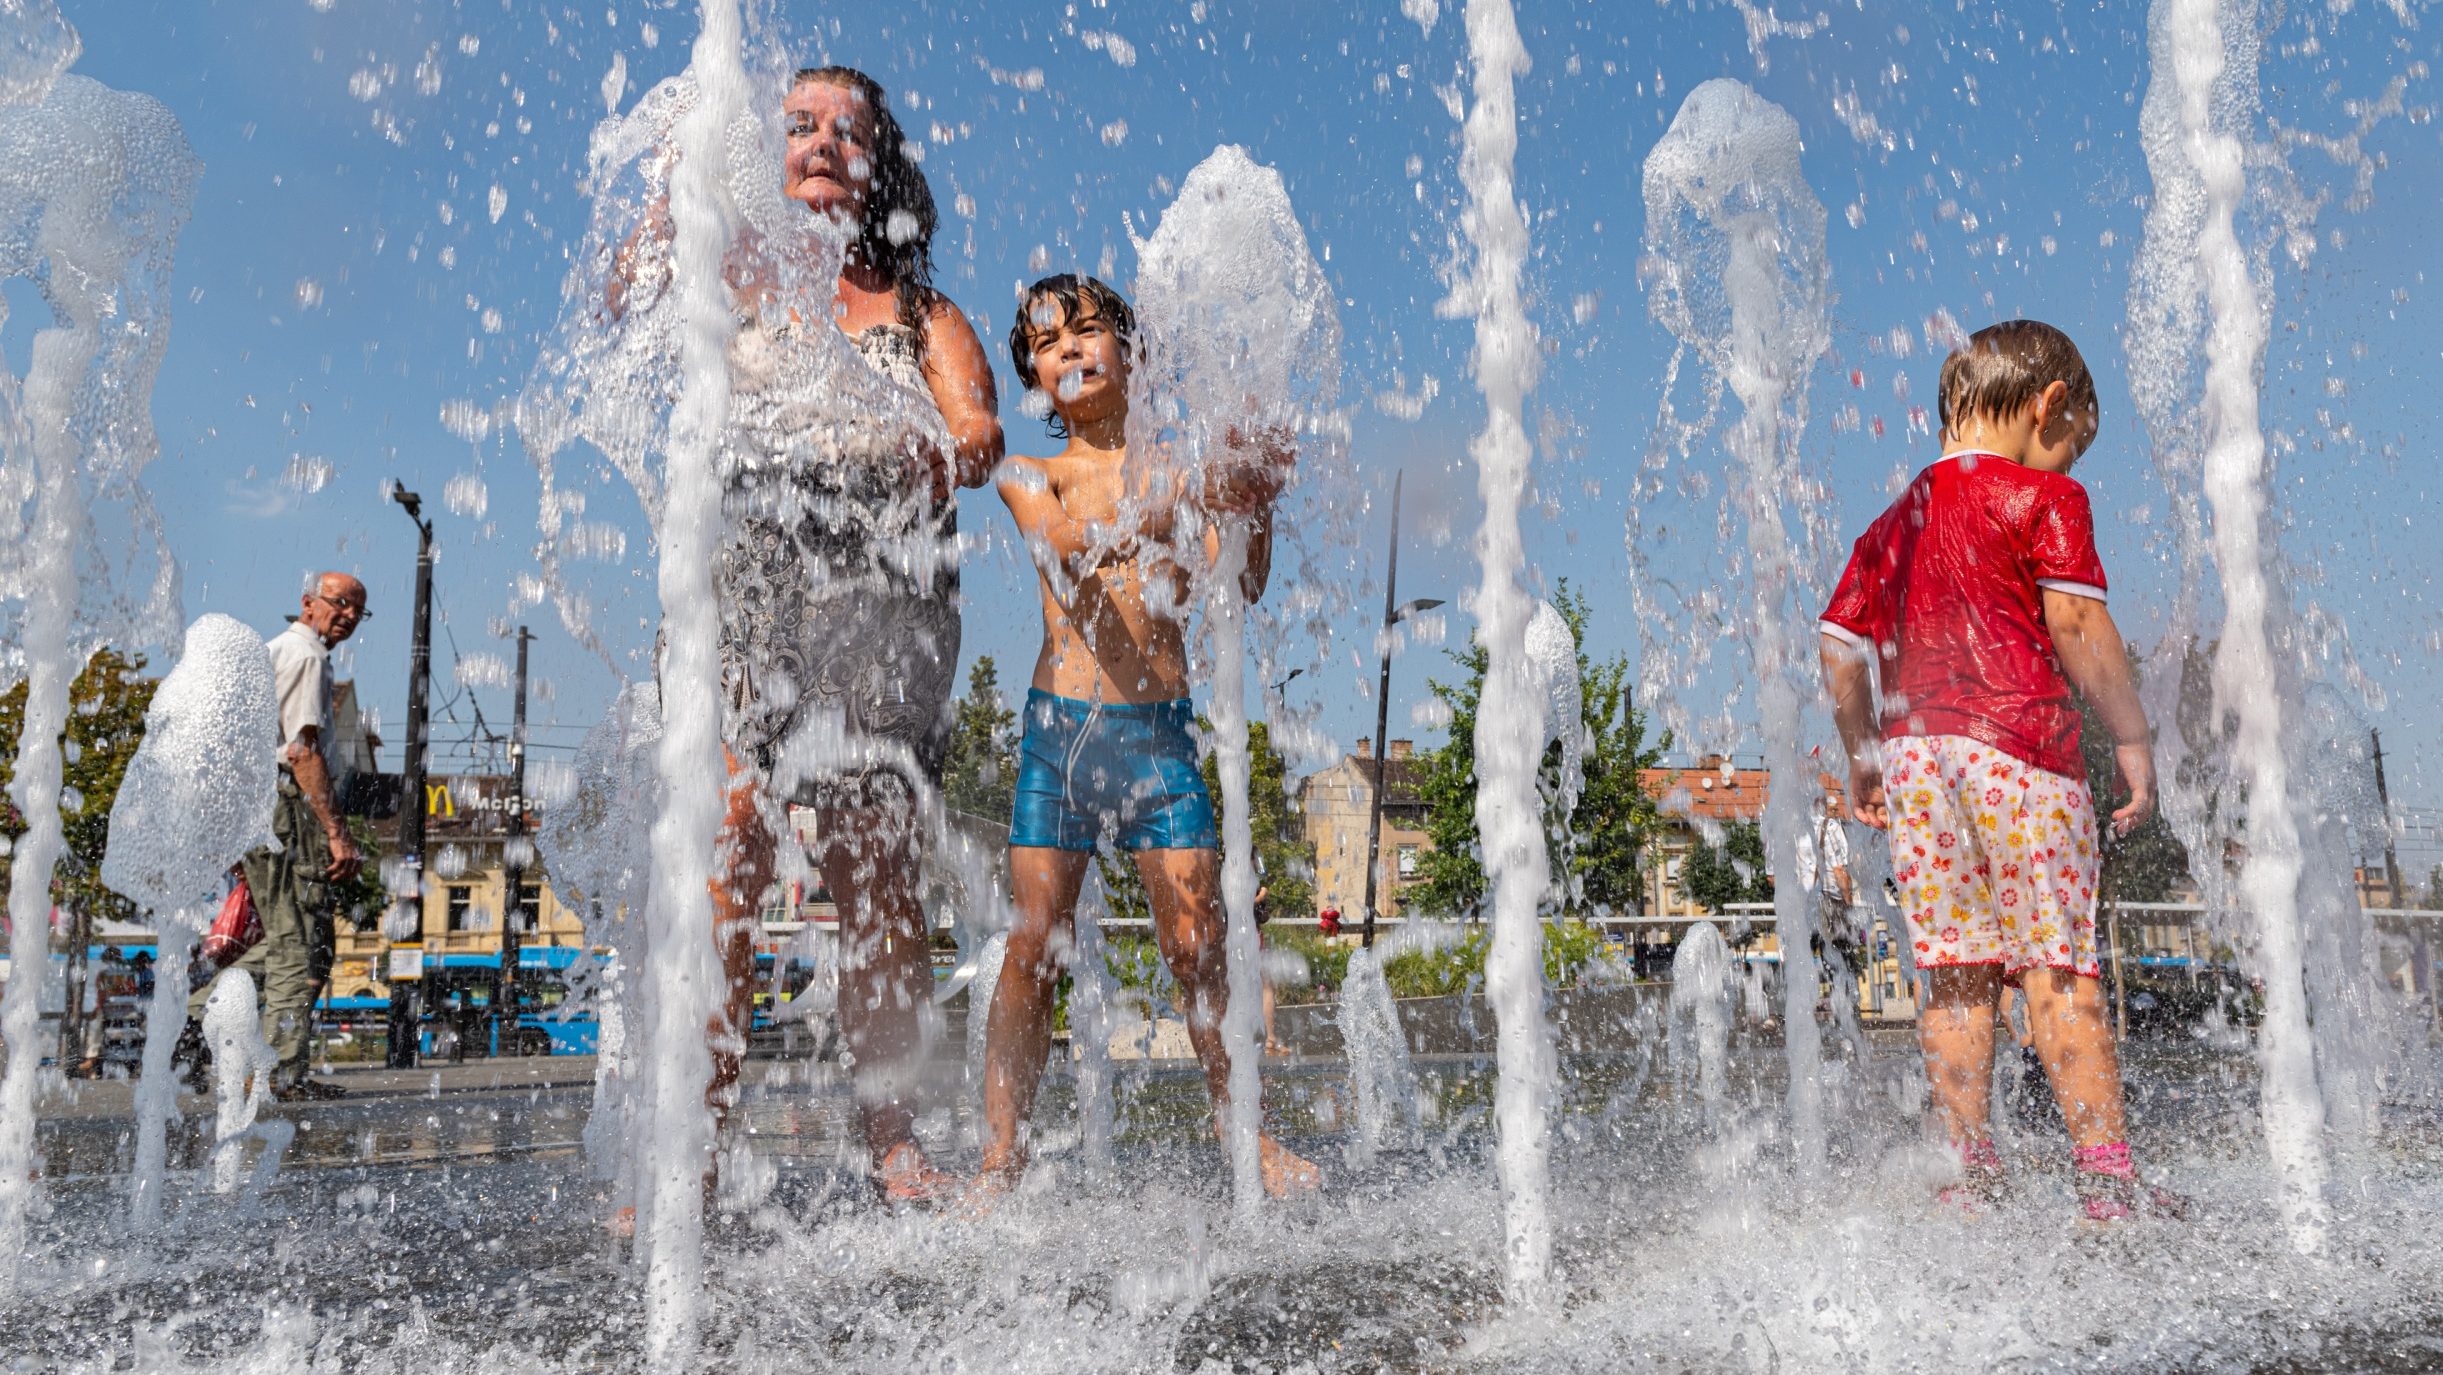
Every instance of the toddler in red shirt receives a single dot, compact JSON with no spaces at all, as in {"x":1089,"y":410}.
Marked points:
{"x":1976,"y":601}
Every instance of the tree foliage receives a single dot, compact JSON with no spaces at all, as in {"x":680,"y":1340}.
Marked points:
{"x":1715,"y":876}
{"x":106,"y":710}
{"x":2150,"y":862}
{"x":1596,"y":848}
{"x":980,"y":774}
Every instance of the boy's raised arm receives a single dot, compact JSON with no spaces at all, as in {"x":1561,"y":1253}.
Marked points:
{"x":1066,"y":550}
{"x":2097,"y":662}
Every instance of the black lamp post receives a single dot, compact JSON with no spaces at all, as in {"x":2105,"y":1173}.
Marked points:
{"x":1392,"y":616}
{"x":404,"y":1014}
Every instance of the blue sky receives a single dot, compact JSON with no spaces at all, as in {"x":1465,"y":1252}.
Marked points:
{"x":344,"y":278}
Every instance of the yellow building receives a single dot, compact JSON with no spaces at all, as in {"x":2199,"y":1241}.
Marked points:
{"x":1335,"y":805}
{"x":466,"y":887}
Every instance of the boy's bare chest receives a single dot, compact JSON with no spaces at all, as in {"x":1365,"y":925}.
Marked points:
{"x":1088,"y":489}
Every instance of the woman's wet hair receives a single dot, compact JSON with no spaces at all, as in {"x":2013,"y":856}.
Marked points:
{"x":896,"y":233}
{"x":1074,"y":292}
{"x":2003,"y":368}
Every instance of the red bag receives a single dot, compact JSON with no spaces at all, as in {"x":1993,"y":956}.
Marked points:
{"x":238,"y":928}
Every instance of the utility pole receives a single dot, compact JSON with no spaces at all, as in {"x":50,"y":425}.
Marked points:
{"x":2383,"y":799}
{"x":1392,"y":616}
{"x":405,"y":1016}
{"x":513,"y":873}
{"x":2422,"y":979}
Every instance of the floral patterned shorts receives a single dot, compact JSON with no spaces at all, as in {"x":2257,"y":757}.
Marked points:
{"x":1995,"y":859}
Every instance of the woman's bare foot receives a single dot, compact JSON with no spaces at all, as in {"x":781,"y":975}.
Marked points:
{"x":905,"y":1176}
{"x":1286,"y":1174}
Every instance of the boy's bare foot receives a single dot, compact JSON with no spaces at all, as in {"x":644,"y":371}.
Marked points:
{"x":1275,"y":1048}
{"x":905,"y":1176}
{"x":622,"y":1224}
{"x":1286,"y":1174}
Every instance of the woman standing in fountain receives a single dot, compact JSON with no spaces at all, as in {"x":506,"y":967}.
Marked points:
{"x":839,"y":591}
{"x":1981,"y":595}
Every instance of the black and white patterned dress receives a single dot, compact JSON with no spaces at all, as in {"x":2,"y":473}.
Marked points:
{"x":838,"y":573}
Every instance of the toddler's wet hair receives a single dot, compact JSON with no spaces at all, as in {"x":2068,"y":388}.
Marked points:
{"x":2003,"y":368}
{"x":1072,"y":292}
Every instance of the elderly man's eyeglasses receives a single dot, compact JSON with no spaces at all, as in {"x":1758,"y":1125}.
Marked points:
{"x":343,"y":604}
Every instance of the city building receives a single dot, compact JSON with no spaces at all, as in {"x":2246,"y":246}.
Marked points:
{"x":466,"y":839}
{"x":1336,"y":804}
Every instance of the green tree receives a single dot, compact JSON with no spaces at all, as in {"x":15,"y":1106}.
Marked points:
{"x":107,"y":703}
{"x":2150,"y":862}
{"x":1598,"y":845}
{"x":1715,"y":876}
{"x":980,"y":775}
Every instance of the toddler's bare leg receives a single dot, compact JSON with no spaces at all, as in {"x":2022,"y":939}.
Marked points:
{"x":2073,"y":1031}
{"x":1955,"y":1027}
{"x":1043,"y":885}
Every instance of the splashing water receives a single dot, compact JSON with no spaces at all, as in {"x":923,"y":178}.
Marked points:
{"x":1092,"y":1022}
{"x":196,"y":797}
{"x":1737,"y":274}
{"x":1238,"y":341}
{"x":596,"y":846}
{"x":1700,"y":1016}
{"x":1382,"y":1081}
{"x":2197,"y":283}
{"x":242,"y":1064}
{"x":678,"y":972}
{"x":1510,"y":725}
{"x":94,"y":186}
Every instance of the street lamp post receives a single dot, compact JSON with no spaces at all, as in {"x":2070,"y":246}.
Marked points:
{"x":513,"y":873}
{"x":1393,"y":614}
{"x":404,"y":1015}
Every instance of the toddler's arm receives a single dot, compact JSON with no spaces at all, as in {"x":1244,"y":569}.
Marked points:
{"x":1853,"y":711}
{"x":2097,"y":662}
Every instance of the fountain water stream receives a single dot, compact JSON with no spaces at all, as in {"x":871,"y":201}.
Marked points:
{"x":1510,"y":724}
{"x":1700,"y":1016}
{"x":1239,"y":350}
{"x":679,"y":971}
{"x":95,"y":185}
{"x":197,"y":796}
{"x":1737,"y":272}
{"x":2198,"y":284}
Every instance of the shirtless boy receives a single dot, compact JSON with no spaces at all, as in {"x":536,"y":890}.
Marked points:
{"x":1108,"y":754}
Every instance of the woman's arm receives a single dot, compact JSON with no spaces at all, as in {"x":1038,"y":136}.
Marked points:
{"x":960,"y":376}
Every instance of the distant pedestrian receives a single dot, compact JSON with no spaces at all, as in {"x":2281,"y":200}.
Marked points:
{"x":291,"y":884}
{"x":1823,"y":867}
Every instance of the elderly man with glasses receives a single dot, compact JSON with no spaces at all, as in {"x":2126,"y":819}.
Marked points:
{"x":292,"y":883}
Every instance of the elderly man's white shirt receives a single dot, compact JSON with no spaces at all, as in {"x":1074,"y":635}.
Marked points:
{"x":301,"y":675}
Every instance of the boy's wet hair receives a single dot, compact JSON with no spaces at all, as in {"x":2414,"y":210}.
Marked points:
{"x":902,"y":252}
{"x":2003,"y":368}
{"x":1074,"y":291}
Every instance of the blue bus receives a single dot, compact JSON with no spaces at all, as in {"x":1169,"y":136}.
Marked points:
{"x":555,"y":1004}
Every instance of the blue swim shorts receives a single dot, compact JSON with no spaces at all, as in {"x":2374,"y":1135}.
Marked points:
{"x":1088,"y":766}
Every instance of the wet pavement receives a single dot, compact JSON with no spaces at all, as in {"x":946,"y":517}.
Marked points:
{"x":447,"y":1218}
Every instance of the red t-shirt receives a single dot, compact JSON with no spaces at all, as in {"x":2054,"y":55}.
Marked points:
{"x":1946,"y":585}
